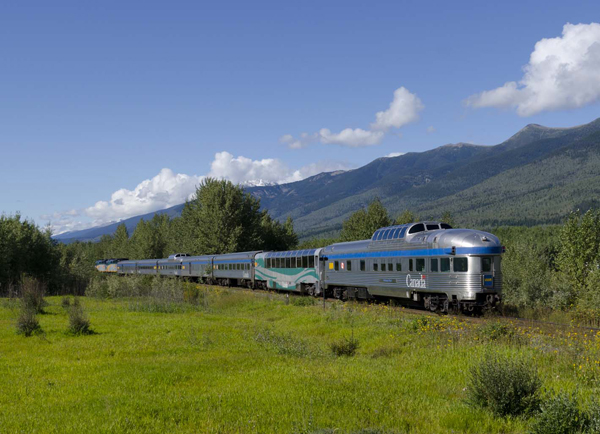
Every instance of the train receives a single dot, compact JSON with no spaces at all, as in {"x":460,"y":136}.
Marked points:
{"x":425,"y":264}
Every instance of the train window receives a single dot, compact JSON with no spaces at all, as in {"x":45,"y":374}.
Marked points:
{"x":396,"y":233}
{"x":399,"y":265}
{"x":349,"y":265}
{"x":288,"y":262}
{"x":417,"y":228}
{"x":445,"y":226}
{"x":383,"y":266}
{"x":387,"y":234}
{"x":420,"y":264}
{"x":311,"y":261}
{"x":375,"y":266}
{"x":402,"y":232}
{"x":434,"y":265}
{"x":444,"y":265}
{"x":336,"y":266}
{"x":267,"y":262}
{"x":486,"y":264}
{"x":410,"y":265}
{"x":433,"y":227}
{"x":461,"y":265}
{"x":390,"y":265}
{"x":362,"y":265}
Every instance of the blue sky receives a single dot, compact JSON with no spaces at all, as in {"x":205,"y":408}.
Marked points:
{"x":95,"y":98}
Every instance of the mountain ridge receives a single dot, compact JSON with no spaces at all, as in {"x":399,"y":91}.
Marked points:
{"x":470,"y":180}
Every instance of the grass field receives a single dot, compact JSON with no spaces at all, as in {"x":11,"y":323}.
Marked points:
{"x":258,"y":363}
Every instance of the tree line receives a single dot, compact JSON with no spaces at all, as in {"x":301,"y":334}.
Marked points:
{"x":544,"y":266}
{"x":220,"y":218}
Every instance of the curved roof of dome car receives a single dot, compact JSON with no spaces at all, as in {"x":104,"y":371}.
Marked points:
{"x":471,"y":238}
{"x":400,"y":231}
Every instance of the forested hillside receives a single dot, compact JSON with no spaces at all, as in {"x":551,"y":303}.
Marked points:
{"x":537,"y":176}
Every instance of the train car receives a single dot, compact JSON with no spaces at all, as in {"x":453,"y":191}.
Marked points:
{"x":198,"y":267}
{"x":234,"y":269}
{"x":427,"y":263}
{"x":147,"y":266}
{"x":101,"y":265}
{"x":127,"y":267}
{"x":173,"y":265}
{"x":294,"y":270}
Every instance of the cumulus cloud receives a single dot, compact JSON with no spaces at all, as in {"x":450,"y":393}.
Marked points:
{"x":303,"y":141}
{"x":562,"y":73}
{"x":394,"y":154}
{"x":403,"y":109}
{"x":168,"y":189}
{"x":353,"y":138}
{"x":162,"y":191}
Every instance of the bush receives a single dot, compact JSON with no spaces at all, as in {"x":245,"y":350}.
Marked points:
{"x":32,"y":294}
{"x":594,"y":418}
{"x":303,"y":301}
{"x":506,"y":386}
{"x":561,"y":415}
{"x":27,"y":323}
{"x":66,"y":302}
{"x":284,"y":344}
{"x":79,"y":324}
{"x":344,"y":347}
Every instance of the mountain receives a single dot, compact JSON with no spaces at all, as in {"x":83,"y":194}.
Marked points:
{"x":537,"y":176}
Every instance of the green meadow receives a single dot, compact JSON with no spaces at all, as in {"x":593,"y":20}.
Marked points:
{"x":242,"y":362}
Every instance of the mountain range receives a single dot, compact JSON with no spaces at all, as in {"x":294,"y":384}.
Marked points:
{"x":537,"y":176}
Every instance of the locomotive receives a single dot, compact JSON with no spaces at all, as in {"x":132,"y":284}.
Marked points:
{"x":426,"y":264}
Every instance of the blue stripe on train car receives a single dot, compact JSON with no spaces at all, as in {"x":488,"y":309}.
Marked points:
{"x":420,"y":252}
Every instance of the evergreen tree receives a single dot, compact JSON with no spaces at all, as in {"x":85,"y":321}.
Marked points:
{"x":406,"y":217}
{"x":361,"y":224}
{"x":120,"y":242}
{"x":447,"y":218}
{"x":221,"y":218}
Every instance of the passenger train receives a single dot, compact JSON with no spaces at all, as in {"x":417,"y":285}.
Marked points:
{"x":427,"y":264}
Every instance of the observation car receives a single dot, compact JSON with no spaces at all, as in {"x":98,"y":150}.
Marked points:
{"x":427,"y":263}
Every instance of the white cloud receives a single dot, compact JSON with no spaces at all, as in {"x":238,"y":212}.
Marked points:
{"x":353,"y":138}
{"x":430,"y":129}
{"x":562,"y":73}
{"x":403,"y":109}
{"x":167,"y":189}
{"x":302,"y":142}
{"x":162,"y":191}
{"x":394,"y":154}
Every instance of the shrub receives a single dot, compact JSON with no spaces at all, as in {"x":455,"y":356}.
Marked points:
{"x":66,"y":302}
{"x":594,"y":418}
{"x":284,"y":344}
{"x":560,"y":415}
{"x":303,"y":301}
{"x":506,"y":386}
{"x":97,"y":288}
{"x":344,"y":347}
{"x":495,"y":330}
{"x":79,"y":324}
{"x":32,"y":293}
{"x":27,"y":323}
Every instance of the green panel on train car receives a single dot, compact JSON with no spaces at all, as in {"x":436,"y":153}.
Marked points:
{"x":284,"y":278}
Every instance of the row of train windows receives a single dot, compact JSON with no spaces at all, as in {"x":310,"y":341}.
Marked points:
{"x":232,"y":267}
{"x":460,"y":265}
{"x":296,"y":262}
{"x":169,"y":267}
